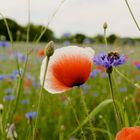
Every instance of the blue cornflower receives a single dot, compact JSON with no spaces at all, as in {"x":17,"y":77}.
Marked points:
{"x":109,"y":60}
{"x":31,"y":115}
{"x":8,"y":91}
{"x":4,"y":44}
{"x":2,"y":77}
{"x":66,"y":35}
{"x":138,"y":66}
{"x":123,"y":89}
{"x":94,"y":73}
{"x":20,"y":56}
{"x":9,"y":97}
{"x":25,"y":101}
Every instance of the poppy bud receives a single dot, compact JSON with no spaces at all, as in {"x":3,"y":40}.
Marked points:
{"x":49,"y":50}
{"x":105,"y":25}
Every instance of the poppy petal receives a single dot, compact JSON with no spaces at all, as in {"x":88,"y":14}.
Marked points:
{"x":68,"y":67}
{"x":130,"y":133}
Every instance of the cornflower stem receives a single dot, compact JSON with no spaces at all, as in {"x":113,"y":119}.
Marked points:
{"x":75,"y":115}
{"x":114,"y":103}
{"x":133,"y":17}
{"x":86,"y":113}
{"x":40,"y":97}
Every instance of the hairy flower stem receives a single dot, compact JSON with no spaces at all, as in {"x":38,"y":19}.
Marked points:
{"x":86,"y":113}
{"x":114,"y":103}
{"x":129,"y":8}
{"x":105,"y":38}
{"x":75,"y":115}
{"x":40,"y":97}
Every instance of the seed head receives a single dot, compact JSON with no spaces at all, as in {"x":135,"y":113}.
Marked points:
{"x":49,"y":49}
{"x":105,"y":25}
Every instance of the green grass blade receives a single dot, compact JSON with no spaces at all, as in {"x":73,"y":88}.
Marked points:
{"x":94,"y":112}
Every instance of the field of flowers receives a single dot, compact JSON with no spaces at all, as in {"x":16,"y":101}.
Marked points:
{"x":85,"y":112}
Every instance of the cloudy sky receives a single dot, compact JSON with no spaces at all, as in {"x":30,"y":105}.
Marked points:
{"x":83,"y":16}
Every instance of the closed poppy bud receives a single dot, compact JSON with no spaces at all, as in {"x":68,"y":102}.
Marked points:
{"x":49,"y":50}
{"x":129,"y":133}
{"x":105,"y":25}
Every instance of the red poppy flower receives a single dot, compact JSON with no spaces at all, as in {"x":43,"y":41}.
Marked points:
{"x":68,"y":67}
{"x":41,"y":53}
{"x":129,"y":133}
{"x":27,"y":83}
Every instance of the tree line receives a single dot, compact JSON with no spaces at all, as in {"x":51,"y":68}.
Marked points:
{"x":19,"y":33}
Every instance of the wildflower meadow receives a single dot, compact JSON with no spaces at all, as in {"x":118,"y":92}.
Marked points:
{"x":73,"y":88}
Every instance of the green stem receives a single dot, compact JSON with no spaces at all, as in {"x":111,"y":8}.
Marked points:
{"x":50,"y":20}
{"x":87,"y":114}
{"x":40,"y":97}
{"x":75,"y":115}
{"x":105,"y":39}
{"x":114,"y":103}
{"x":28,"y":28}
{"x":12,"y":42}
{"x":135,"y":21}
{"x":1,"y":125}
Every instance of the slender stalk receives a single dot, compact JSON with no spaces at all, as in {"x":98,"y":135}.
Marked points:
{"x":28,"y":28}
{"x":133,"y":17}
{"x":114,"y":103}
{"x":1,"y":124}
{"x":105,"y":38}
{"x":127,"y":79}
{"x":12,"y":42}
{"x":75,"y":115}
{"x":87,"y":114}
{"x":40,"y":97}
{"x":50,"y":20}
{"x":107,"y":127}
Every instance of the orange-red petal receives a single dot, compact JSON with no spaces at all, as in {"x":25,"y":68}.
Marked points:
{"x":130,"y":133}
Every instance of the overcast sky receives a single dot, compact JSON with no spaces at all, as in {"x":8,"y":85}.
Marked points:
{"x":84,"y":16}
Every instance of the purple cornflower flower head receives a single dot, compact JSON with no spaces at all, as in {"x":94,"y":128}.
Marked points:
{"x":87,"y":41}
{"x":20,"y":56}
{"x":138,"y":66}
{"x":94,"y":73}
{"x":4,"y":44}
{"x":109,"y":60}
{"x":2,"y":77}
{"x":9,"y":97}
{"x":123,"y":89}
{"x":11,"y":76}
{"x":25,"y":102}
{"x":103,"y":75}
{"x":66,"y":35}
{"x":95,"y":94}
{"x":8,"y":91}
{"x":31,"y":115}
